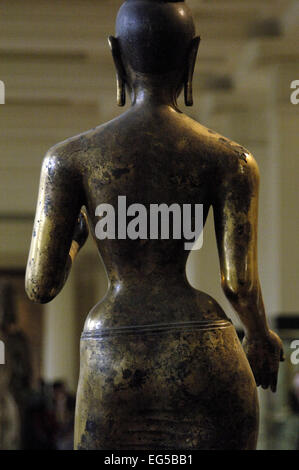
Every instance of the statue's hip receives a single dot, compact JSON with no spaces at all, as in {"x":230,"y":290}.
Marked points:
{"x":170,"y":386}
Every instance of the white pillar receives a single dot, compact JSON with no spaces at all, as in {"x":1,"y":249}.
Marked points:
{"x":59,"y":340}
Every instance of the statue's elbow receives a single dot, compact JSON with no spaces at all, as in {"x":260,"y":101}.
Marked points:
{"x":239,"y":291}
{"x":37,"y":293}
{"x":38,"y":296}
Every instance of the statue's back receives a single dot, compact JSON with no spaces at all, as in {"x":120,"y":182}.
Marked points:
{"x":154,"y":349}
{"x":152,"y":158}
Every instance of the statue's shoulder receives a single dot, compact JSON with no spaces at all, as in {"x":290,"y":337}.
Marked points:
{"x":71,"y":151}
{"x":226,"y":154}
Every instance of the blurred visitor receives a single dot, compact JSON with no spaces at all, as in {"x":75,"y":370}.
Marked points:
{"x":289,"y":438}
{"x":50,"y":418}
{"x":18,"y":360}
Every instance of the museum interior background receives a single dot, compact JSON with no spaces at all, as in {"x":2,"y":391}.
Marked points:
{"x":60,"y":80}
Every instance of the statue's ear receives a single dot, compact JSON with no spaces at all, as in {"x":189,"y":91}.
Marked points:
{"x":190,"y":70}
{"x":120,"y":71}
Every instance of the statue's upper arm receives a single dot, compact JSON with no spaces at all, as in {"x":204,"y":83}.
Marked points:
{"x":235,"y":213}
{"x":58,"y":207}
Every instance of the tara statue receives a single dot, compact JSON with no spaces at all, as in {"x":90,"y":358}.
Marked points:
{"x":161,"y":364}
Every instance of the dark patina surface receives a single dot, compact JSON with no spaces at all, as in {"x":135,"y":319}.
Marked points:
{"x":161,"y":365}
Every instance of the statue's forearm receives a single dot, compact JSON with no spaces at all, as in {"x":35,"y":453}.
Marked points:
{"x":43,"y":285}
{"x":250,"y":308}
{"x":74,"y":250}
{"x":47,"y":268}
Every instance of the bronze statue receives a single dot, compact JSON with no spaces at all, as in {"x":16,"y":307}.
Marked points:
{"x":161,"y":364}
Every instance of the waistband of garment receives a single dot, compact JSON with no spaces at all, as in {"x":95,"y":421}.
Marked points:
{"x":191,"y":326}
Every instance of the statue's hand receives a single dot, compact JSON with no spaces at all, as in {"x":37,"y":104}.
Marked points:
{"x":264,"y":355}
{"x":81,"y":230}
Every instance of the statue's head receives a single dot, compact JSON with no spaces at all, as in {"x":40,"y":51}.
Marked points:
{"x":155,"y":37}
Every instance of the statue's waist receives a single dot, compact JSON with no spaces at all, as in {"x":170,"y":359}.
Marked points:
{"x":155,"y":311}
{"x":152,"y":329}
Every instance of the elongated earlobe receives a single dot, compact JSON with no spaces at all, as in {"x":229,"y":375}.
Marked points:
{"x":190,"y":71}
{"x":120,"y":80}
{"x":188,"y":93}
{"x":121,"y":91}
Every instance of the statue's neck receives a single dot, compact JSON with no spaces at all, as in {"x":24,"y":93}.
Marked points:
{"x":153,"y":96}
{"x":154,"y":90}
